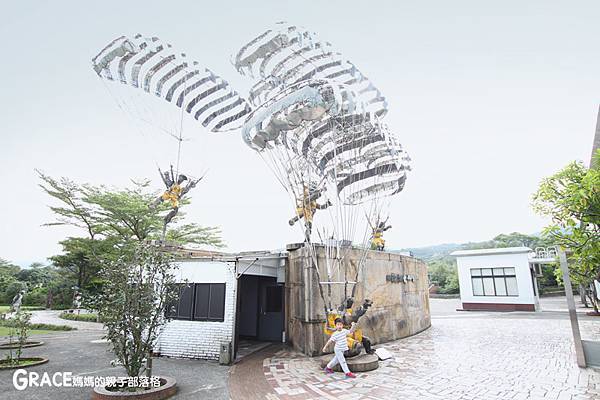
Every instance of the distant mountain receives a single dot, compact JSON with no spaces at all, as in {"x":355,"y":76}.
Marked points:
{"x":428,"y":253}
{"x":514,"y":239}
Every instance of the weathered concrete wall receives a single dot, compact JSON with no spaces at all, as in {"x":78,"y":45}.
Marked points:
{"x":399,"y":309}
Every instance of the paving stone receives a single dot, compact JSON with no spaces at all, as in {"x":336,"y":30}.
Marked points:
{"x":466,"y":356}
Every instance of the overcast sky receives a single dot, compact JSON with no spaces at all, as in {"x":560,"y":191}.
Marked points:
{"x":488,"y":97}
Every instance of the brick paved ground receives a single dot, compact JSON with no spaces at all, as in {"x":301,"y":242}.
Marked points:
{"x":462,"y":356}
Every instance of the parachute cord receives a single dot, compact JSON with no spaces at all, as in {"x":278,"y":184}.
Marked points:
{"x":180,"y":138}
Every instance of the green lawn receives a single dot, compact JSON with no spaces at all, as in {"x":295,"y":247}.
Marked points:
{"x":5,"y":308}
{"x":4,"y":331}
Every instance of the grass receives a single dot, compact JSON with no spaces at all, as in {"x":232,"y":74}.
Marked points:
{"x":5,"y":323}
{"x":6,"y":308}
{"x":23,"y":362}
{"x":79,"y":317}
{"x":4,"y":331}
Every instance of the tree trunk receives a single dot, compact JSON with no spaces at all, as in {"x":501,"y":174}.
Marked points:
{"x":49,"y":299}
{"x":594,"y":297}
{"x":80,"y":278}
{"x":149,"y":364}
{"x":583,"y":295}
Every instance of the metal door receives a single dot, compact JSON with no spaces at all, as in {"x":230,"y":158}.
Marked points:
{"x":270,"y":320}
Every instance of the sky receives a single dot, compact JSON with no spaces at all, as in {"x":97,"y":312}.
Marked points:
{"x":487,"y":97}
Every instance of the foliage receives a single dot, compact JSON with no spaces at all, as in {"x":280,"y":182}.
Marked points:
{"x":444,"y":274}
{"x":8,"y":276}
{"x":19,"y":329}
{"x":37,"y":275}
{"x":514,"y":239}
{"x":123,"y":215}
{"x":12,"y":289}
{"x":114,"y":221}
{"x":81,"y":260}
{"x":138,"y":287}
{"x":442,"y":267}
{"x":91,"y":317}
{"x":571,"y":197}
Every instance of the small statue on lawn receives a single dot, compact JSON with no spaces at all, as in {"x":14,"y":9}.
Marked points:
{"x":15,"y":307}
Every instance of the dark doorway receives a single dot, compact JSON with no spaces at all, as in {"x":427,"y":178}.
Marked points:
{"x":260,"y":308}
{"x":248,"y":306}
{"x":270,"y":321}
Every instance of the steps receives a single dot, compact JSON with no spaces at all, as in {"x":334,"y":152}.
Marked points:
{"x":360,"y":363}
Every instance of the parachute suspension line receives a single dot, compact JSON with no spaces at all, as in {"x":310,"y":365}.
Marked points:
{"x":180,"y":137}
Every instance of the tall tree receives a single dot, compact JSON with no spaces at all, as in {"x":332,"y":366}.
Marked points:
{"x":123,"y":215}
{"x":8,"y":274}
{"x":571,"y":197}
{"x":112,"y":220}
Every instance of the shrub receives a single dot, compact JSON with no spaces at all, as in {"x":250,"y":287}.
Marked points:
{"x":11,"y":290}
{"x":79,"y":317}
{"x":19,"y":328}
{"x":35,"y":297}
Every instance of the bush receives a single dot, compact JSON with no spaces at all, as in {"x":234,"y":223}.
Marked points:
{"x":79,"y":317}
{"x":11,"y":290}
{"x":445,"y":274}
{"x":36,"y":297}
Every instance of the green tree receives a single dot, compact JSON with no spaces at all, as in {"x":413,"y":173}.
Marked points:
{"x":126,"y":214}
{"x":121,"y":215}
{"x":571,"y":197}
{"x":112,"y":220}
{"x":139,"y":286}
{"x":444,"y":273}
{"x":12,"y":289}
{"x":37,"y":275}
{"x":81,"y":259}
{"x":8,"y":276}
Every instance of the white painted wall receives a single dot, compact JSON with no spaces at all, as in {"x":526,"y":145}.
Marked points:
{"x":203,"y":271}
{"x":519,"y":261}
{"x":201,"y":339}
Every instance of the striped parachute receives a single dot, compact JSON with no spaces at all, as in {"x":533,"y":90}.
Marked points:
{"x":311,"y":114}
{"x":317,"y":122}
{"x":152,"y":66}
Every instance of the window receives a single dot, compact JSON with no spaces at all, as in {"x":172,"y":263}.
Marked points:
{"x":274,"y":296}
{"x":494,"y":282}
{"x":199,"y":302}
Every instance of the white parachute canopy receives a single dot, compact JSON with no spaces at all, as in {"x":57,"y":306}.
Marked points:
{"x":317,"y":124}
{"x":311,"y":114}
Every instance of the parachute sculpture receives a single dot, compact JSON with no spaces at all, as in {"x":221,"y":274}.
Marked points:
{"x":313,"y":117}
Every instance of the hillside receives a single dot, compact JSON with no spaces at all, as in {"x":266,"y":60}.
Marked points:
{"x":442,"y":251}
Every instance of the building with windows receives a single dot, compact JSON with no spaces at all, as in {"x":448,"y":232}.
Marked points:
{"x":499,"y":279}
{"x":230,"y":302}
{"x":224,"y":298}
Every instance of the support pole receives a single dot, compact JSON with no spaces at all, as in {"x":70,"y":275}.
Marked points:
{"x":564,"y":266}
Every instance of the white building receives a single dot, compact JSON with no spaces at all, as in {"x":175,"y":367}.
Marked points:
{"x":500,"y":279}
{"x":225,"y":298}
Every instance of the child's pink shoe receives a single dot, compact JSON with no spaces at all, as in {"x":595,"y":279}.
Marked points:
{"x":328,"y":370}
{"x":350,"y":375}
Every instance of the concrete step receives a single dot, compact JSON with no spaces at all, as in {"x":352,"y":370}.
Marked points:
{"x":360,"y":363}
